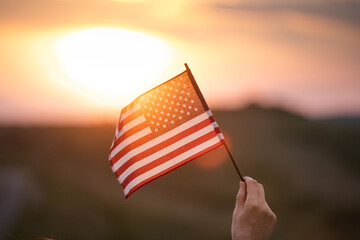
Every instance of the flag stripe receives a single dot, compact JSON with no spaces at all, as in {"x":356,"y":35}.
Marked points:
{"x":129,"y":110}
{"x":164,"y":148}
{"x":129,"y":118}
{"x":171,"y":165}
{"x":129,"y":133}
{"x":129,"y":140}
{"x":131,"y":145}
{"x":156,"y":160}
{"x":155,"y":141}
{"x":161,"y":145}
{"x":131,"y":124}
{"x":123,"y":116}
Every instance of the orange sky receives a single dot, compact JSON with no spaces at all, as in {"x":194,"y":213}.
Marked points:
{"x":301,"y":55}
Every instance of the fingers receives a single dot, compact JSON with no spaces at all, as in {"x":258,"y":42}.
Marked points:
{"x":261,"y":192}
{"x":241,"y":196}
{"x":252,"y":189}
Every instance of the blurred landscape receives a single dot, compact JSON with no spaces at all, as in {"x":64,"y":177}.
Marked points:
{"x":57,"y":182}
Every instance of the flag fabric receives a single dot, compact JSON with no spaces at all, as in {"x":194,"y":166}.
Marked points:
{"x":162,"y":130}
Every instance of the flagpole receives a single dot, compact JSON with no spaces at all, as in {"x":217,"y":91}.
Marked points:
{"x":197,"y":89}
{"x":234,"y":163}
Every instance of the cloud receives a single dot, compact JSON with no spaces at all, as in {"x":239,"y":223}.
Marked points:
{"x":341,"y":10}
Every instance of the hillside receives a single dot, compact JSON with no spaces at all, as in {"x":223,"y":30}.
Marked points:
{"x":56,"y":181}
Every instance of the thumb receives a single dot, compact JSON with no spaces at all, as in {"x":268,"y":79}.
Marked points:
{"x":240,"y":197}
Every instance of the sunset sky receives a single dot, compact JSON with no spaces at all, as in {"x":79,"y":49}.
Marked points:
{"x":81,"y":61}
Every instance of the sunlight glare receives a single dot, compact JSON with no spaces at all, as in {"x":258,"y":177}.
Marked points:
{"x":108,"y":64}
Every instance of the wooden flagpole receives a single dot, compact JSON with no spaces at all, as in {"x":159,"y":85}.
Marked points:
{"x":197,"y":89}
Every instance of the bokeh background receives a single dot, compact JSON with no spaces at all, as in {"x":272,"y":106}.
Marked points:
{"x":282,"y":79}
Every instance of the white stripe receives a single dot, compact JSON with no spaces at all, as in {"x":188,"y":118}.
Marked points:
{"x":130,"y":125}
{"x":126,"y":114}
{"x":170,"y":163}
{"x":159,"y":139}
{"x":165,"y":151}
{"x":129,"y":140}
{"x":221,"y":136}
{"x":215,"y":124}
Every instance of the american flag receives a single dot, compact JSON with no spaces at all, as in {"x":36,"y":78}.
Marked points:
{"x":160,"y":131}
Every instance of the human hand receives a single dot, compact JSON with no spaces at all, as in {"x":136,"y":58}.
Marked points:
{"x":252,"y":217}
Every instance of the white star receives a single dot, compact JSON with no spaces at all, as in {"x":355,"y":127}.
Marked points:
{"x":157,"y":124}
{"x":192,"y":101}
{"x":180,"y":117}
{"x":156,"y":110}
{"x":154,"y":116}
{"x":184,"y":85}
{"x":172,"y":102}
{"x":176,"y":90}
{"x":166,"y":100}
{"x":178,"y":84}
{"x":145,"y":106}
{"x":158,"y":104}
{"x":172,"y":121}
{"x":182,"y":92}
{"x":147,"y":100}
{"x":189,"y":107}
{"x":173,"y":115}
{"x":162,"y":93}
{"x":181,"y":78}
{"x":164,"y":106}
{"x":169,"y":108}
{"x":165,"y":120}
{"x":182,"y":111}
{"x":175,"y":110}
{"x":160,"y":98}
{"x":148,"y":114}
{"x":178,"y":104}
{"x":188,"y":113}
{"x":184,"y":105}
{"x":152,"y":122}
{"x":168,"y":114}
{"x":185,"y":99}
{"x":180,"y":98}
{"x":160,"y":118}
{"x":162,"y":112}
{"x":196,"y":109}
{"x":168,"y":94}
{"x":188,"y":93}
{"x":150,"y":108}
{"x":164,"y":126}
{"x":156,"y":130}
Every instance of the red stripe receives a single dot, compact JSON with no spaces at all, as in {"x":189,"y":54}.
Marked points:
{"x":161,"y":145}
{"x":131,"y":117}
{"x":128,"y":107}
{"x":172,"y":168}
{"x":212,"y":119}
{"x":129,"y":132}
{"x":217,"y":130}
{"x":167,"y":157}
{"x":131,"y":146}
{"x":131,"y":105}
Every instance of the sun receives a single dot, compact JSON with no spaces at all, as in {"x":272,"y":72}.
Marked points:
{"x":110,"y":65}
